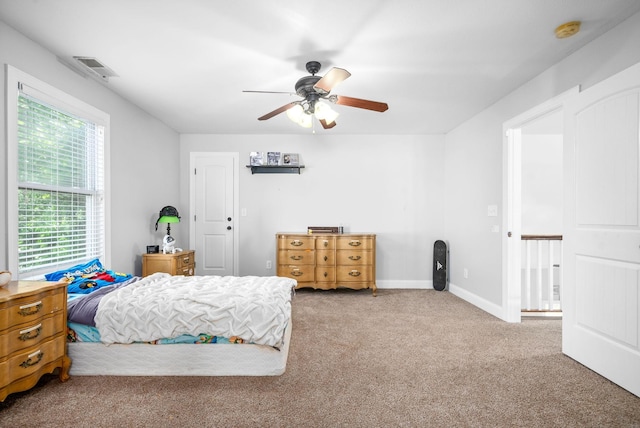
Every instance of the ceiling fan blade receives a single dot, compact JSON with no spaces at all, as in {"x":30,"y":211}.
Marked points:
{"x":277,"y":111}
{"x":331,"y":80}
{"x":359,"y":103}
{"x":326,"y":125}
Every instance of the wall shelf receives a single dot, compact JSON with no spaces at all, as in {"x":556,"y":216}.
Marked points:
{"x":275,"y":169}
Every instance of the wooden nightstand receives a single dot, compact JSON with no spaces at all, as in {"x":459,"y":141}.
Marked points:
{"x":180,"y":263}
{"x":33,"y":334}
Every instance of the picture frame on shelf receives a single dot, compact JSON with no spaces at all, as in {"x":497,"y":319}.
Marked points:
{"x":273,"y":158}
{"x":256,"y":159}
{"x":291,"y":159}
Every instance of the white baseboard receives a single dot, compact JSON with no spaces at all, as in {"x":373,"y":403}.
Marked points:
{"x":479,"y":302}
{"x":408,"y":284}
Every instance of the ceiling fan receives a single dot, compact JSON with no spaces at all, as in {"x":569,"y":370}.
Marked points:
{"x":313,"y":90}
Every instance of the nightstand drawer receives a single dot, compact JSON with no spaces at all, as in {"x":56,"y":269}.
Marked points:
{"x":32,"y":308}
{"x":31,"y":334}
{"x":185,"y":261}
{"x":31,"y":360}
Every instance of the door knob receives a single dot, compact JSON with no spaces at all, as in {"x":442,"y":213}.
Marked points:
{"x":228,"y":227}
{"x":228,"y":218}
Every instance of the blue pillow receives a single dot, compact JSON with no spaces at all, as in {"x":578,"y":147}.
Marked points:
{"x":75,"y":271}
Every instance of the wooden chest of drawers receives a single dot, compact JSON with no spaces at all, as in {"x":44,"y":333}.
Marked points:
{"x":180,"y":263}
{"x":328,"y":261}
{"x":33,"y":330}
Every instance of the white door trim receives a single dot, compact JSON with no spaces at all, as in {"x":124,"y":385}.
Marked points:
{"x":236,"y":210}
{"x":511,"y":201}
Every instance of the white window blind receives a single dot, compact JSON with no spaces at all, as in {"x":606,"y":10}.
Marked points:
{"x":61,"y":200}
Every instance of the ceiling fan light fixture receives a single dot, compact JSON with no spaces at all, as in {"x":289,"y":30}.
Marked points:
{"x":295,"y":113}
{"x":305,"y":120}
{"x":324,"y":112}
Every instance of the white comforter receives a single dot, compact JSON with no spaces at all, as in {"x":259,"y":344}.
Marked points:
{"x":256,"y":309}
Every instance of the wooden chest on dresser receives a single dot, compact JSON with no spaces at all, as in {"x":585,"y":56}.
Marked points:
{"x":33,"y":334}
{"x":328,"y":261}
{"x":180,"y":263}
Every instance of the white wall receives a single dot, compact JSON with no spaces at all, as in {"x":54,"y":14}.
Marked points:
{"x":473,"y":160}
{"x":541,"y":184}
{"x":141,"y":149}
{"x":388,"y":185}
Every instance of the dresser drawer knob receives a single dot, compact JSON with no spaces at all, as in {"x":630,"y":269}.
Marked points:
{"x":296,"y":273}
{"x":30,"y":359}
{"x":30,"y":309}
{"x":326,"y":258}
{"x":296,"y":258}
{"x":355,"y":243}
{"x":354,"y":273}
{"x":355,"y":258}
{"x":296,"y":242}
{"x":326,"y":274}
{"x":185,"y":261}
{"x":27,"y":334}
{"x":325,"y":243}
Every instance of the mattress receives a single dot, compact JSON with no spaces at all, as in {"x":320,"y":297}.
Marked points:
{"x":139,"y":359}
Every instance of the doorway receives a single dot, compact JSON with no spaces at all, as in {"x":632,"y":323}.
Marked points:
{"x":523,"y":152}
{"x":214,"y":205}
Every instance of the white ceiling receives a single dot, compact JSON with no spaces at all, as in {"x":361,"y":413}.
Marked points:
{"x":435,"y":62}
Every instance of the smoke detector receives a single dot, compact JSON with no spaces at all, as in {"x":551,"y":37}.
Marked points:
{"x":94,"y":67}
{"x":567,"y":29}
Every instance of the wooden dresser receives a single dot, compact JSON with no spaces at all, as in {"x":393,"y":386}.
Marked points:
{"x":179,"y":263}
{"x":33,"y":334}
{"x":328,"y":261}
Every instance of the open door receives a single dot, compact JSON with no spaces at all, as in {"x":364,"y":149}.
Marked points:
{"x":601,"y":299}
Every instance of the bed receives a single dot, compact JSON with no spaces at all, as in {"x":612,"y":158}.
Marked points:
{"x":163,"y":325}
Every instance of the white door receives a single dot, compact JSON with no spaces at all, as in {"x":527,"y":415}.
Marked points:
{"x":214,"y":206}
{"x":601,"y":299}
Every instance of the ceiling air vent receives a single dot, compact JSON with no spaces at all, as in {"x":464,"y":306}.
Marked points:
{"x":94,"y":67}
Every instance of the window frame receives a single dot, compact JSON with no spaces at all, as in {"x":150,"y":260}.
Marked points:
{"x":67,"y":103}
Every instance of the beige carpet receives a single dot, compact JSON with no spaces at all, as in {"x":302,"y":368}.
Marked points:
{"x":407,"y":358}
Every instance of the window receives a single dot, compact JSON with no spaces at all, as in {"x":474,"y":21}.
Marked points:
{"x":60,"y":199}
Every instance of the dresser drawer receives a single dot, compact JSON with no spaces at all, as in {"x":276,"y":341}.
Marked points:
{"x":297,"y":257}
{"x":326,"y":274}
{"x":301,"y":273}
{"x":29,"y":309}
{"x":296,"y":242}
{"x":31,"y":334}
{"x":31,"y":360}
{"x":350,"y":243}
{"x":325,"y":242}
{"x":354,"y":274}
{"x":325,"y":258}
{"x":354,"y":257}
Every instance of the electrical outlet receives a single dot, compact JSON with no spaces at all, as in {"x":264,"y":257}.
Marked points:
{"x":268,"y":264}
{"x":465,"y":273}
